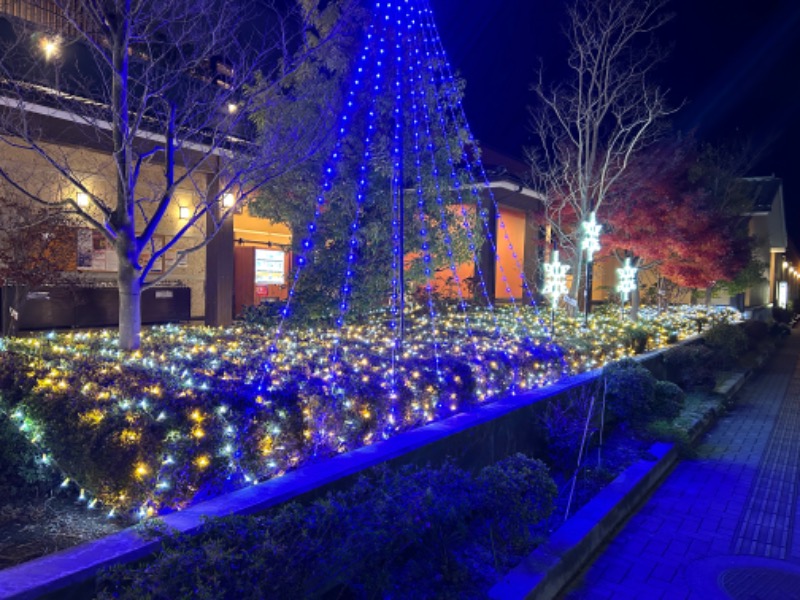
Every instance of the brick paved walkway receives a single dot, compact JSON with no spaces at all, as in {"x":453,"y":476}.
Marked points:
{"x":725,"y":524}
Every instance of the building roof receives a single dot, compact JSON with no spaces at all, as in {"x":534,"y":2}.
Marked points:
{"x":763,"y":191}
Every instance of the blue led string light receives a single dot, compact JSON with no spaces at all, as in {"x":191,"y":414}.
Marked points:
{"x":456,"y":184}
{"x":459,"y":116}
{"x":421,"y":107}
{"x":479,"y":209}
{"x":360,"y":195}
{"x":422,"y":217}
{"x":329,"y":174}
{"x":463,"y":210}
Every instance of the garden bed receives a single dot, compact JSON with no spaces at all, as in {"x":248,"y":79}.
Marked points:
{"x":197,"y":412}
{"x":490,"y":415}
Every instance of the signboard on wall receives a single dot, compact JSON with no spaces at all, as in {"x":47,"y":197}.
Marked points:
{"x":783,"y":294}
{"x":95,"y":252}
{"x":269,"y":267}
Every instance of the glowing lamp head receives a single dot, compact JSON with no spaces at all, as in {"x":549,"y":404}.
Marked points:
{"x":50,"y":47}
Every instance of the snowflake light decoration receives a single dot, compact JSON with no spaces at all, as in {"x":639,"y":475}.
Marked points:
{"x":591,"y":236}
{"x":627,"y":279}
{"x":555,"y":278}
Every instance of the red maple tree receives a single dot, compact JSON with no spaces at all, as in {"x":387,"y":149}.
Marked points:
{"x":664,"y":216}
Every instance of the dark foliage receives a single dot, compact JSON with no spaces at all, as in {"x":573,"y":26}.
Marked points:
{"x":630,"y":390}
{"x":406,"y":533}
{"x":690,"y":367}
{"x":668,"y":401}
{"x":728,"y":342}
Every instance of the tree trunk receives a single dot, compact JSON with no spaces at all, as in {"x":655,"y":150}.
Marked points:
{"x":577,"y":279}
{"x":635,"y":301}
{"x":130,"y":299}
{"x":709,"y":295}
{"x":130,"y":318}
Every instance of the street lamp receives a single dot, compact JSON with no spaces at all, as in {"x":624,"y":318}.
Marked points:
{"x":591,"y":243}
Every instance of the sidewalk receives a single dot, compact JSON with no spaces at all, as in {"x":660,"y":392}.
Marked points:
{"x":724,"y":524}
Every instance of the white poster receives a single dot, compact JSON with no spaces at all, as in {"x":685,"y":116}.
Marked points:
{"x":270,"y":266}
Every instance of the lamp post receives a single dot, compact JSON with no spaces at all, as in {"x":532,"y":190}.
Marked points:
{"x":591,"y":243}
{"x":627,"y":281}
{"x":555,"y":284}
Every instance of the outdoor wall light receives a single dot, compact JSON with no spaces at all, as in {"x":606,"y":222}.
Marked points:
{"x":82,"y":199}
{"x":184,"y":213}
{"x":232,"y":107}
{"x":50,"y":47}
{"x":228,"y":201}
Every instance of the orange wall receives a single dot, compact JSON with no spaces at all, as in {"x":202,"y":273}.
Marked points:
{"x":248,"y":227}
{"x":514,"y":221}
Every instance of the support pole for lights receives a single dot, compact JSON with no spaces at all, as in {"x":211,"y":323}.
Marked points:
{"x":586,"y":289}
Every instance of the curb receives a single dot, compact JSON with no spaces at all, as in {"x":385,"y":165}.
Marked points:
{"x":551,"y":567}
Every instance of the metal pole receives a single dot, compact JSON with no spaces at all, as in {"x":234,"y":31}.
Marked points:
{"x":586,"y":288}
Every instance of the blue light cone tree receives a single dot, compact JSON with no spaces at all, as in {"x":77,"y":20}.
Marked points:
{"x":402,"y":195}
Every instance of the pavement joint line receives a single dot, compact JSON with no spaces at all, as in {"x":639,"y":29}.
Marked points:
{"x":775,"y":478}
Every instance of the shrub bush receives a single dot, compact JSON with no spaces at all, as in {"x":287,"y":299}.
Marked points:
{"x":690,"y":367}
{"x":728,"y":342}
{"x":667,"y":432}
{"x":668,"y":401}
{"x":519,"y":493}
{"x":780,"y":329}
{"x":564,"y":421}
{"x":781,"y":315}
{"x":407,"y":532}
{"x":630,"y":389}
{"x":756,"y":332}
{"x":637,"y":338}
{"x":22,"y":470}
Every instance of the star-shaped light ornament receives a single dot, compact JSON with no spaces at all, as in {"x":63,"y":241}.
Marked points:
{"x":555,"y":278}
{"x":591,"y":236}
{"x":627,"y":279}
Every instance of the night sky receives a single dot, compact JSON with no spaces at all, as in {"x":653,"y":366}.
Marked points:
{"x":733,"y":64}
